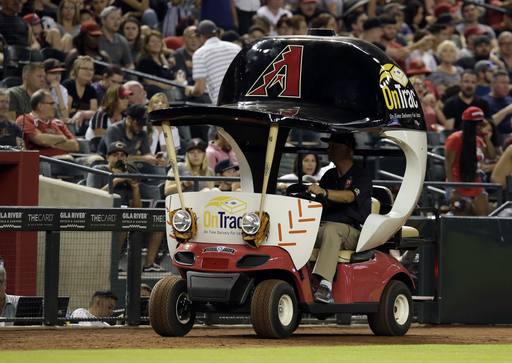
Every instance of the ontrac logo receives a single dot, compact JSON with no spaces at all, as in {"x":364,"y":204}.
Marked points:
{"x":285,"y":71}
{"x":222,"y":218}
{"x":393,"y":82}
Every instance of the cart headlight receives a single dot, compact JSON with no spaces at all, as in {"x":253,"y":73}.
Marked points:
{"x":251,"y":223}
{"x":182,"y":221}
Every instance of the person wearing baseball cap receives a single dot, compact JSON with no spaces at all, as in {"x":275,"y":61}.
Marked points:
{"x":226,"y":168}
{"x":211,"y":61}
{"x":470,"y":15}
{"x":196,"y":164}
{"x":463,"y":152}
{"x":417,"y":68}
{"x":347,"y":190}
{"x":42,"y":38}
{"x":54,"y":71}
{"x":309,"y":9}
{"x":484,"y":70}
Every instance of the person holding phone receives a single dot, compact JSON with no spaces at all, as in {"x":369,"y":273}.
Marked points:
{"x":464,"y":151}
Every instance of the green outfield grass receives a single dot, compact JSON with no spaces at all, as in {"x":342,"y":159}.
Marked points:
{"x":379,"y":353}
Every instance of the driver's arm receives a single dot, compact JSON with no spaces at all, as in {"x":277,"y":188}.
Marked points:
{"x":337,"y":196}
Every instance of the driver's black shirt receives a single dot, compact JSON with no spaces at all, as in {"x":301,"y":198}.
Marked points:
{"x":359,"y":181}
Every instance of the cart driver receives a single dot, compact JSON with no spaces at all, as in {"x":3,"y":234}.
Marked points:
{"x":348,"y":190}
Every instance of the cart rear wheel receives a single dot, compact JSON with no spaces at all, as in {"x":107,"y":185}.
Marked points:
{"x":168,"y":307}
{"x":274,"y":309}
{"x":395,"y":311}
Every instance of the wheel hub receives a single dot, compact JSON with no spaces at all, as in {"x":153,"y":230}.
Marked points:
{"x":182,"y":312}
{"x":401,"y":309}
{"x":285,"y":310}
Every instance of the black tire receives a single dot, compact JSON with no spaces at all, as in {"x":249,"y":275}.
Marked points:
{"x":274,"y":311}
{"x":167,"y":305}
{"x":395,"y":311}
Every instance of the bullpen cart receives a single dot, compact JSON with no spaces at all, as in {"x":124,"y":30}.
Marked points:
{"x":252,"y":252}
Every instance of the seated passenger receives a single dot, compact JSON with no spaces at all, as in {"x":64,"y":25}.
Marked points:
{"x":310,"y":166}
{"x":8,"y":303}
{"x":102,"y":305}
{"x":348,"y":190}
{"x":196,"y":164}
{"x":226,"y":168}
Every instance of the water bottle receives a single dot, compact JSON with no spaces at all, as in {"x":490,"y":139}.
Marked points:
{"x":1,"y":262}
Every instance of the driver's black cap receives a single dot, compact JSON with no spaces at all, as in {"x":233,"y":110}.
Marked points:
{"x":342,"y":138}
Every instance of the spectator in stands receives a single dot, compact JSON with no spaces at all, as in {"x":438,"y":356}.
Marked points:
{"x":86,"y":15}
{"x":13,"y":27}
{"x":97,"y":7}
{"x":196,"y":164}
{"x":255,"y":32}
{"x":505,"y":44}
{"x":211,"y":61}
{"x":464,"y":151}
{"x":226,"y":168}
{"x":446,"y":19}
{"x":434,"y":117}
{"x":394,"y":49}
{"x":499,"y":101}
{"x":484,"y":70}
{"x":274,"y":10}
{"x":220,"y":12}
{"x":111,"y":41}
{"x":263,"y":21}
{"x":372,"y":32}
{"x":152,"y":61}
{"x":33,"y":79}
{"x":8,"y":303}
{"x":355,"y":21}
{"x":45,"y":133}
{"x":334,"y":7}
{"x":130,"y":132}
{"x":139,"y":95}
{"x":86,"y":43}
{"x":112,"y":75}
{"x":130,"y":29}
{"x":102,"y":305}
{"x":417,"y":68}
{"x":404,"y":33}
{"x":414,"y":16}
{"x":308,"y":9}
{"x":176,"y":10}
{"x":40,"y":38}
{"x":183,"y":56}
{"x":111,"y":111}
{"x":455,"y":106}
{"x":155,"y":133}
{"x":481,"y":51}
{"x":425,"y":41}
{"x":54,"y":71}
{"x":470,"y":16}
{"x":284,"y":26}
{"x":503,"y":167}
{"x":10,"y":132}
{"x":470,"y":34}
{"x":446,"y":73}
{"x":325,"y":21}
{"x":82,"y":96}
{"x":300,"y":27}
{"x":310,"y":166}
{"x":138,"y":9}
{"x":68,"y":23}
{"x":218,"y":150}
{"x":245,"y":10}
{"x":440,"y":33}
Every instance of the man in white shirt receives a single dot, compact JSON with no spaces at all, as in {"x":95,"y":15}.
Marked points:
{"x":274,"y":10}
{"x":59,"y":92}
{"x":211,"y":61}
{"x":102,"y":305}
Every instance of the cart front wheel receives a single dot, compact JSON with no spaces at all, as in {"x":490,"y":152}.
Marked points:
{"x":394,"y":315}
{"x":274,"y":309}
{"x":168,"y":308}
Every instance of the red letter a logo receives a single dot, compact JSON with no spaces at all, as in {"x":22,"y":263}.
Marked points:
{"x":284,"y":71}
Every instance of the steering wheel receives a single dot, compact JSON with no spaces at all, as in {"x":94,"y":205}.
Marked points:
{"x":299,"y":191}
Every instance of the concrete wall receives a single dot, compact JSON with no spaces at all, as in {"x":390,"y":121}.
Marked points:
{"x":85,"y":257}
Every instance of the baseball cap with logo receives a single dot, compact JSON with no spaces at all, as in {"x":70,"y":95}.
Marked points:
{"x":32,"y":19}
{"x":485,"y":65}
{"x":473,"y":114}
{"x":53,"y":65}
{"x":417,"y":66}
{"x":91,"y":27}
{"x":342,"y":138}
{"x":206,"y":27}
{"x":117,"y":146}
{"x":108,"y":10}
{"x":224,"y":165}
{"x":473,"y":30}
{"x":196,"y":143}
{"x":138,"y":113}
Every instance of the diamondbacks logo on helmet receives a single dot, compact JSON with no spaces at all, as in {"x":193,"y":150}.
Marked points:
{"x":284,"y":73}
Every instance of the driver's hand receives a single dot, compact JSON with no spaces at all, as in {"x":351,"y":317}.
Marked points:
{"x":315,"y":189}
